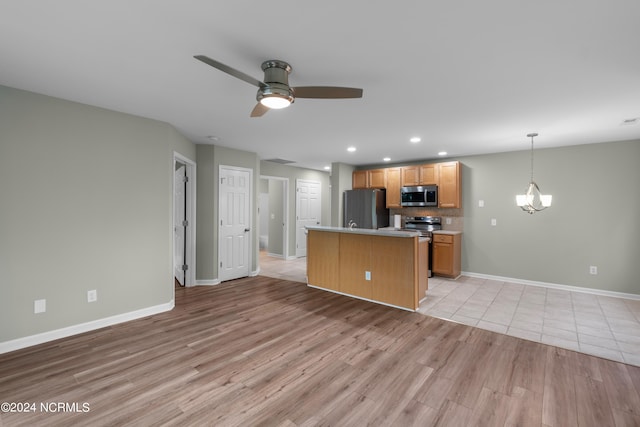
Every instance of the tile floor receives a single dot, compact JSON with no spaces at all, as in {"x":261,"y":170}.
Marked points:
{"x":602,"y":326}
{"x":295,"y":270}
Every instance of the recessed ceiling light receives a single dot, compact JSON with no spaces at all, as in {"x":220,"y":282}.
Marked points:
{"x":442,"y":153}
{"x":351,"y":149}
{"x":327,"y":168}
{"x":631,"y":121}
{"x":387,"y":159}
{"x":415,"y":139}
{"x":213,"y":138}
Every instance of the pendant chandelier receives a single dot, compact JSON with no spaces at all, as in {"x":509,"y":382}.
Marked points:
{"x":532,"y":200}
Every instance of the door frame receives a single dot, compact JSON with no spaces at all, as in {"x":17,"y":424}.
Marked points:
{"x":285,"y":228}
{"x":250,"y":246}
{"x":190,"y":216}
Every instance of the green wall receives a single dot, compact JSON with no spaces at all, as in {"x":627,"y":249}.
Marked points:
{"x":593,"y":219}
{"x":86,"y":204}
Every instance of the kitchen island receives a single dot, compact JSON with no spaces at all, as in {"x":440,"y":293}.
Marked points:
{"x":386,"y":266}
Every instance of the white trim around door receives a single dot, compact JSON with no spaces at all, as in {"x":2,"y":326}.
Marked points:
{"x":190,"y":217}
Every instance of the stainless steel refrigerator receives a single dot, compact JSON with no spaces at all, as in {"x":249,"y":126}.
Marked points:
{"x":365,"y":209}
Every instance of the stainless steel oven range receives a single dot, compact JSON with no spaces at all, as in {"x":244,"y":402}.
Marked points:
{"x":425,"y":225}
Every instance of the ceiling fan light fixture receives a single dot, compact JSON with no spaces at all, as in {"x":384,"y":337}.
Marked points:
{"x":274,"y":92}
{"x":275,"y":96}
{"x":275,"y":102}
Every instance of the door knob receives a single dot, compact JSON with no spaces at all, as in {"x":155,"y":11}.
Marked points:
{"x":247,"y":230}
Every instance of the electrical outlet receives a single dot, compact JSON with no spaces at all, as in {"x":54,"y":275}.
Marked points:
{"x":92,"y":296}
{"x":593,"y":270}
{"x":367,"y":275}
{"x":39,"y":306}
{"x":447,"y":221}
{"x":481,"y":203}
{"x":494,"y":222}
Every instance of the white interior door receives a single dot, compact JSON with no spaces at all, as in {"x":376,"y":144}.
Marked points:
{"x":235,"y":223}
{"x":179,"y":225}
{"x":308,"y":211}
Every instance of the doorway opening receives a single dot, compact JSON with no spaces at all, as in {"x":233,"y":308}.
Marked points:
{"x":273,"y":211}
{"x":184,"y":221}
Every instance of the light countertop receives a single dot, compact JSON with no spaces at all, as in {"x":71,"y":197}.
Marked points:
{"x":447,"y":232}
{"x":389,"y":231}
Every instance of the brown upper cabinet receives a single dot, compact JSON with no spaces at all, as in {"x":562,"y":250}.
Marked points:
{"x":449,"y":185}
{"x":429,"y":174}
{"x":446,"y":175}
{"x":393,"y":187}
{"x":359,"y":179}
{"x":420,"y":175}
{"x":410,"y":176}
{"x":377,"y":178}
{"x":373,"y":178}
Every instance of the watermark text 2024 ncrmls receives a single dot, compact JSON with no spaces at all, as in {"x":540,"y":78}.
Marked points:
{"x":46,"y":407}
{"x":78,"y":407}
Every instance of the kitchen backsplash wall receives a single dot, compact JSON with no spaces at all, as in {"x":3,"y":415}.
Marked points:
{"x":455,"y":215}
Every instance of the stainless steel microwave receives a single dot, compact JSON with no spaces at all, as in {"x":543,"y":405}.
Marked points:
{"x":422,"y":195}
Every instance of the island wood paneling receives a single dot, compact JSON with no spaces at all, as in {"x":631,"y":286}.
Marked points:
{"x":394,"y":270}
{"x":355,"y":259}
{"x":392,"y":262}
{"x":323,"y":268}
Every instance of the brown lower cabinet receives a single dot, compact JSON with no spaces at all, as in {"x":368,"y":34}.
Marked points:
{"x":446,"y":254}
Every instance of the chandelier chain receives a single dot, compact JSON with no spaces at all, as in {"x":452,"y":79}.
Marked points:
{"x":531,"y":159}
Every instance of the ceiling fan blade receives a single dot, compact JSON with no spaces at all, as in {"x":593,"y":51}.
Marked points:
{"x":259,"y":110}
{"x":231,"y":71}
{"x":327,"y":92}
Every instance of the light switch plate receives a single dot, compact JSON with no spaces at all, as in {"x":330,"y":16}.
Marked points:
{"x":367,"y":275}
{"x":494,"y":222}
{"x":481,"y":203}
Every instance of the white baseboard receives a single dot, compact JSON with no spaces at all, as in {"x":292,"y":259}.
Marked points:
{"x":275,"y":255}
{"x":601,"y":292}
{"x":44,"y":337}
{"x":207,"y":282}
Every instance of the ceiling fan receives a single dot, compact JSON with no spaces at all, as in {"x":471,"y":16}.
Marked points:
{"x":275,"y":91}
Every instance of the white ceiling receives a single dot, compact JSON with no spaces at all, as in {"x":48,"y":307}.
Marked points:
{"x":468,"y":76}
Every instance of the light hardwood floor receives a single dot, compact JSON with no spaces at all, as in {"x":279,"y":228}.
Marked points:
{"x":593,"y":324}
{"x":272,"y":352}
